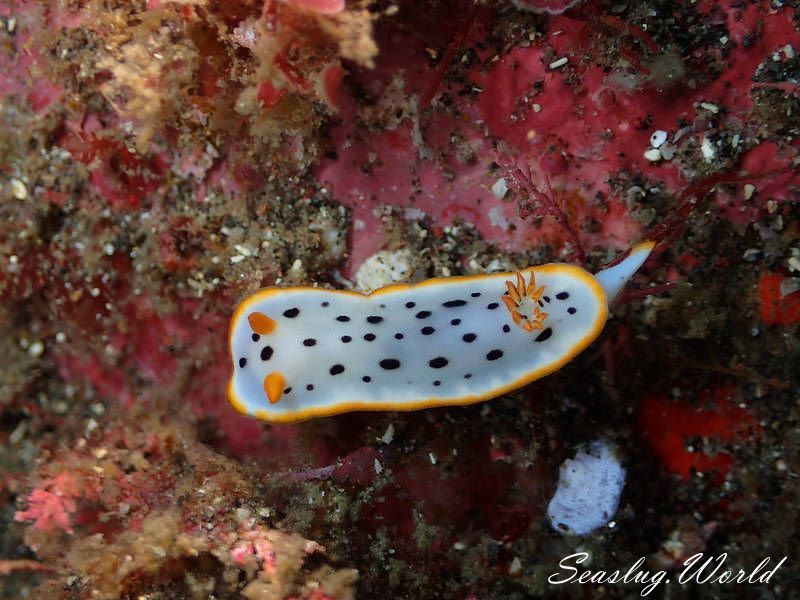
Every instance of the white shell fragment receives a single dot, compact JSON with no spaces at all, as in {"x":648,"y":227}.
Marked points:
{"x":658,"y":137}
{"x":652,"y":154}
{"x":500,"y":188}
{"x":302,"y":352}
{"x":589,"y":487}
{"x":707,"y":149}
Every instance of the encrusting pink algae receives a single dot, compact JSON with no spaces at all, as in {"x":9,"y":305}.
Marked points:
{"x":161,"y":161}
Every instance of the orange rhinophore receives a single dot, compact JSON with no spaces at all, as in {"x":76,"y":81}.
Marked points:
{"x":260,"y":323}
{"x":273,"y":386}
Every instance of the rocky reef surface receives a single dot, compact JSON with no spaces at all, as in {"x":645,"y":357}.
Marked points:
{"x":159,"y":161}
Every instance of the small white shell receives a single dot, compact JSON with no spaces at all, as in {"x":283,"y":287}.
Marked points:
{"x":658,"y":137}
{"x":652,"y":154}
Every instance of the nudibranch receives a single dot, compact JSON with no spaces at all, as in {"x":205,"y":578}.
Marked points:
{"x":302,"y":352}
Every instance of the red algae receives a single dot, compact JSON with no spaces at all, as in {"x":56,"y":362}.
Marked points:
{"x":160,"y":161}
{"x":674,"y":429}
{"x":777,"y":307}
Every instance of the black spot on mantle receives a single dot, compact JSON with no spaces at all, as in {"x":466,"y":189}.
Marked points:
{"x":454,"y":303}
{"x":438,"y":363}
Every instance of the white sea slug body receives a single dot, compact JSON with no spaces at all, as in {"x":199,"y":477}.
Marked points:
{"x":302,"y":352}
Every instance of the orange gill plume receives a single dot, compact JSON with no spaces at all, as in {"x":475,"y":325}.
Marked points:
{"x":523,"y":302}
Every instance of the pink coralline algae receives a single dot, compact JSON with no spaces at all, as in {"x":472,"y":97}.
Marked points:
{"x":120,"y":484}
{"x":572,"y":118}
{"x":52,"y":505}
{"x":259,"y":543}
{"x":323,"y":7}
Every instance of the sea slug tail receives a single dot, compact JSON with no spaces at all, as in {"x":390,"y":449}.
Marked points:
{"x":614,"y":278}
